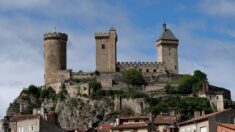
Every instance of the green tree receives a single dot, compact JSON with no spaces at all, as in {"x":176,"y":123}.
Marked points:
{"x":48,"y":92}
{"x":34,"y":90}
{"x":133,"y":77}
{"x":63,"y":92}
{"x":199,"y":75}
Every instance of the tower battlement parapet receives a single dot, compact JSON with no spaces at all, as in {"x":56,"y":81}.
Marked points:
{"x":144,"y":67}
{"x":55,"y":35}
{"x":102,"y":35}
{"x":137,"y":63}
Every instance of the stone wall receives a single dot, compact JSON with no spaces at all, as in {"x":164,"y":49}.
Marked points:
{"x":28,"y":125}
{"x":168,"y":54}
{"x":137,"y":104}
{"x":55,"y":55}
{"x":83,"y":75}
{"x":106,"y":51}
{"x":143,"y":67}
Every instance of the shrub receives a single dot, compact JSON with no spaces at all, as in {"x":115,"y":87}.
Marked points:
{"x":63,"y":92}
{"x":133,"y":77}
{"x":34,"y":90}
{"x":48,"y":92}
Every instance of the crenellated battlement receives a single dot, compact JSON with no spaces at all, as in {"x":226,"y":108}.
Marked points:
{"x":151,"y":67}
{"x":139,"y":63}
{"x":55,"y":35}
{"x":102,"y":35}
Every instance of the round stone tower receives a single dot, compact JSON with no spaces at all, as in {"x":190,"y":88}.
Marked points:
{"x":55,"y":45}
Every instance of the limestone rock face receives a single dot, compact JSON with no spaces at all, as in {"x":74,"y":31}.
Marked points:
{"x":81,"y":112}
{"x":72,"y":112}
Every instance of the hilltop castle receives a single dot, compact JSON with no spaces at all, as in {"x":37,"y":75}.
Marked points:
{"x":55,"y":48}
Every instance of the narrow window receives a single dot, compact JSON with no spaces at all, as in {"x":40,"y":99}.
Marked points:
{"x":140,"y":70}
{"x":103,"y":46}
{"x":147,"y":70}
{"x":175,"y":67}
{"x":169,"y":53}
{"x":154,"y":70}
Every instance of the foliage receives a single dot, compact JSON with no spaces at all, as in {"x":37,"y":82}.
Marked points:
{"x":48,"y":92}
{"x":85,"y":80}
{"x":188,"y":84}
{"x":63,"y":92}
{"x":133,"y":77}
{"x":73,"y":102}
{"x":34,"y":90}
{"x":133,"y":93}
{"x":33,"y":105}
{"x":185,"y":106}
{"x":126,"y":111}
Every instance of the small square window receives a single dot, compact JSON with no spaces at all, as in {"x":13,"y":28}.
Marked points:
{"x":103,"y":46}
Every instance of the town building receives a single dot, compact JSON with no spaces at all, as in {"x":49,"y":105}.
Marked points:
{"x":127,"y":124}
{"x":166,"y":123}
{"x":221,"y":127}
{"x":106,"y":127}
{"x":208,"y":122}
{"x":35,"y":123}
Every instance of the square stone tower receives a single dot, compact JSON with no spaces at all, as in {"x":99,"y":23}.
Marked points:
{"x":167,"y":46}
{"x":106,"y":56}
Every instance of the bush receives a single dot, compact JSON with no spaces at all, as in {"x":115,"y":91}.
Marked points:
{"x":133,"y":77}
{"x":188,"y":84}
{"x":34,"y":90}
{"x":185,"y":106}
{"x":63,"y":92}
{"x":48,"y":93}
{"x":73,"y":102}
{"x":133,"y":93}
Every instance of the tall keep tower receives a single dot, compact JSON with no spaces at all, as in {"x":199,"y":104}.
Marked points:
{"x":106,"y":56}
{"x":54,"y":55}
{"x":167,"y":46}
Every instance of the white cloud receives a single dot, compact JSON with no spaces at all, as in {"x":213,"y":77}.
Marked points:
{"x":221,"y":8}
{"x":21,"y":41}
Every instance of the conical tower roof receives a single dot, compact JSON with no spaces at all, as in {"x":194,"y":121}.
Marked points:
{"x":167,"y":34}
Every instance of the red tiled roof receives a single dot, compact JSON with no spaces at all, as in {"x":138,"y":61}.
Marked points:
{"x":134,"y":118}
{"x":131,"y":126}
{"x":106,"y":127}
{"x":73,"y":129}
{"x":165,"y":119}
{"x":230,"y":126}
{"x":24,"y":117}
{"x":201,"y":118}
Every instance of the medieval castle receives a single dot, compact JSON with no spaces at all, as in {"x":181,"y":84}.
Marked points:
{"x":55,"y":45}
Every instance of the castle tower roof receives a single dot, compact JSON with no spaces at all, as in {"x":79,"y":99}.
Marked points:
{"x":112,"y":29}
{"x":167,"y":34}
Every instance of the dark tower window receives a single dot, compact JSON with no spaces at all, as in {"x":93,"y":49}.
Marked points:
{"x":103,"y":46}
{"x":154,"y":70}
{"x":147,"y":70}
{"x":140,"y":70}
{"x":175,"y":67}
{"x":169,"y":53}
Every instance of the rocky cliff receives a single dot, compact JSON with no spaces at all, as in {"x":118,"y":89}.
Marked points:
{"x":72,"y":112}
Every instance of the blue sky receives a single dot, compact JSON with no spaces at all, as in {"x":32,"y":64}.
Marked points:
{"x":205,"y":29}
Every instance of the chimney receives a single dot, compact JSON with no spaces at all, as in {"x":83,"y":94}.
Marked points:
{"x":203,"y":113}
{"x":197,"y":114}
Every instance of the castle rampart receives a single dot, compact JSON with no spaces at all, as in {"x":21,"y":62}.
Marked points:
{"x":144,"y":67}
{"x":55,"y":35}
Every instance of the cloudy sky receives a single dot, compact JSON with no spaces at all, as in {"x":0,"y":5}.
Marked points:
{"x":205,"y":28}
